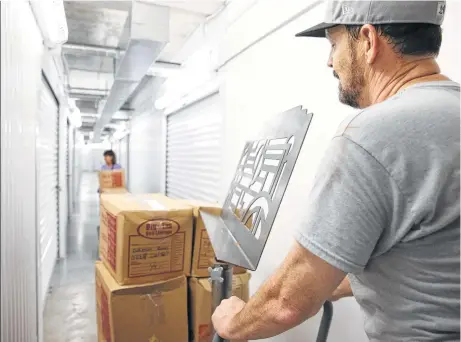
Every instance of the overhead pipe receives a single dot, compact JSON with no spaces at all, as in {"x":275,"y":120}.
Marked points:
{"x":66,"y":70}
{"x":92,"y":50}
{"x":163,"y":69}
{"x":148,"y":26}
{"x":88,"y":92}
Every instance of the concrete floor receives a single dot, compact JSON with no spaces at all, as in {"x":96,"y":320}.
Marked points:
{"x":70,"y":311}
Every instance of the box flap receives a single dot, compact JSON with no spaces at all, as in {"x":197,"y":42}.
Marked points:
{"x":237,"y":280}
{"x":241,"y":279}
{"x":128,"y":202}
{"x":116,"y":289}
{"x":114,"y":191}
{"x":212,"y":208}
{"x":203,"y":282}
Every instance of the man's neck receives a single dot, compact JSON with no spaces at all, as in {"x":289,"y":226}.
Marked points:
{"x":405,"y":74}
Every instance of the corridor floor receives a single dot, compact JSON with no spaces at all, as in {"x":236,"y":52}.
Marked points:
{"x":70,"y":311}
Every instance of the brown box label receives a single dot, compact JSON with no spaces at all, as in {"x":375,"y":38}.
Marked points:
{"x":111,"y":224}
{"x":157,"y":249}
{"x":105,"y":316}
{"x":112,"y":179}
{"x":117,"y":181}
{"x":206,"y":252}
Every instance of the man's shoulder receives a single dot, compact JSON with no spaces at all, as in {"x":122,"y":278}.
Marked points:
{"x":372,"y":123}
{"x":398,"y":119}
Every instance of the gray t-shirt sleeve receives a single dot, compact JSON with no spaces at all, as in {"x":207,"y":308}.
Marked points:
{"x":349,"y":207}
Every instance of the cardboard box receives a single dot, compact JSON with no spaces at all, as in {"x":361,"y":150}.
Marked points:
{"x":200,"y":304}
{"x":203,"y":255}
{"x":145,"y":313}
{"x":202,"y":252}
{"x":145,"y":238}
{"x":112,"y":179}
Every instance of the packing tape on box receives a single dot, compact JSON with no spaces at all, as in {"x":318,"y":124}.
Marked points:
{"x":156,"y":300}
{"x":154,"y":339}
{"x":156,"y":205}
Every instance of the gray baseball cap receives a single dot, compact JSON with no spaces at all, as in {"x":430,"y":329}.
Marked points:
{"x":360,"y":12}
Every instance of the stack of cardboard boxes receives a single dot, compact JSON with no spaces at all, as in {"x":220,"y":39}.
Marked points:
{"x":152,"y":280}
{"x":200,"y":297}
{"x":145,"y":247}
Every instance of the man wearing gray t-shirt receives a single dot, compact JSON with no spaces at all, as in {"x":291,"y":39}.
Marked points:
{"x":383,"y":218}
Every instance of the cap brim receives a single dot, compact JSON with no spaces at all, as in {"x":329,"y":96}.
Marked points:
{"x":317,"y":31}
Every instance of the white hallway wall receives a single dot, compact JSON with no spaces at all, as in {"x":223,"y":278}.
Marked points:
{"x":278,"y":73}
{"x":91,"y":155}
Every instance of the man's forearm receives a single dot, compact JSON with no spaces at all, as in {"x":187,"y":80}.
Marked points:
{"x":265,"y":315}
{"x":289,"y":297}
{"x":294,"y":293}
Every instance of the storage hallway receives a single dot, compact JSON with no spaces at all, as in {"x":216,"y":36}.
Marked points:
{"x":175,"y":89}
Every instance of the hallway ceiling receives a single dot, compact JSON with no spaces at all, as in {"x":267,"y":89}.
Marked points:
{"x":98,"y":38}
{"x":96,"y":23}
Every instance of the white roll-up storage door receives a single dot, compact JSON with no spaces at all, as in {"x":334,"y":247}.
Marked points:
{"x":70,"y":168}
{"x":77,"y":165}
{"x":145,"y":157}
{"x":21,"y":59}
{"x":144,"y":144}
{"x":62,"y":188}
{"x":194,"y":149}
{"x":47,"y":182}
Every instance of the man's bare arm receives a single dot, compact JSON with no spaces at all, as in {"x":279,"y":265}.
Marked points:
{"x":294,"y":293}
{"x":343,"y":290}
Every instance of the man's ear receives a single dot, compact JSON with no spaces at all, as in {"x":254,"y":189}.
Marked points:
{"x":369,"y":37}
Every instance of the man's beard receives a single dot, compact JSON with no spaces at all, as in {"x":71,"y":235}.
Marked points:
{"x":351,"y":96}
